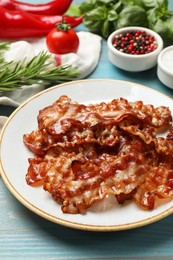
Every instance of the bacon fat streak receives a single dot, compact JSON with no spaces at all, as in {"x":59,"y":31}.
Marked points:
{"x":83,"y":153}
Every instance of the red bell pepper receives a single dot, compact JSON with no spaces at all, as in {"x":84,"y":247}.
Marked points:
{"x":20,"y":24}
{"x":56,"y":7}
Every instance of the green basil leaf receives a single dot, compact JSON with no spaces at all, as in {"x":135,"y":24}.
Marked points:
{"x":132,"y":16}
{"x":161,"y":4}
{"x":73,"y":10}
{"x":88,"y":5}
{"x":112,"y":15}
{"x":92,"y":25}
{"x":99,"y":13}
{"x":133,"y":2}
{"x":153,"y":16}
{"x":107,"y":2}
{"x":118,"y":7}
{"x":164,"y":27}
{"x":105,"y":29}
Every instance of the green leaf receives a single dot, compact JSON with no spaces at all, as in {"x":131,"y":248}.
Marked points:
{"x":106,"y":2}
{"x":90,"y":5}
{"x":87,"y":6}
{"x":132,"y":15}
{"x":133,"y":2}
{"x":74,"y":10}
{"x":105,"y":29}
{"x":97,"y":14}
{"x":3,"y":46}
{"x":153,"y":16}
{"x":112,"y":15}
{"x":161,"y":4}
{"x":118,"y":7}
{"x":164,"y":27}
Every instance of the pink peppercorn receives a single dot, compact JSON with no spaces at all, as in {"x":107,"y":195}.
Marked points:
{"x":135,"y":43}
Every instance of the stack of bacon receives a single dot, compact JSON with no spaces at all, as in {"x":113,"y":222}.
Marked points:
{"x":83,"y":153}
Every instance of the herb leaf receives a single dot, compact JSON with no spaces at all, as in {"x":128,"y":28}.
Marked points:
{"x":13,"y":75}
{"x":130,"y":15}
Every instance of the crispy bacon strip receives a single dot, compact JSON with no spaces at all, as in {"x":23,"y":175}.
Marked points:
{"x":66,"y":123}
{"x":84,"y":153}
{"x":157,"y":184}
{"x":37,"y":170}
{"x":93,"y":173}
{"x":52,"y":117}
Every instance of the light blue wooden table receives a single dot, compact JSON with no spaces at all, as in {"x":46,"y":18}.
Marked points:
{"x":24,"y":235}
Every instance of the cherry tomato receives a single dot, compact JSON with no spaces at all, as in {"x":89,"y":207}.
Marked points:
{"x":62,"y":39}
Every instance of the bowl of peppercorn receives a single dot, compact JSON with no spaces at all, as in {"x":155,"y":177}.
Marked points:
{"x":134,"y":48}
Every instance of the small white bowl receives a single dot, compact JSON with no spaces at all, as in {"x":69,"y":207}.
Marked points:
{"x":165,"y":67}
{"x":134,"y":62}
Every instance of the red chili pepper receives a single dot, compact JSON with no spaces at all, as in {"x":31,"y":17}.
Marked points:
{"x":20,"y":24}
{"x":56,"y":7}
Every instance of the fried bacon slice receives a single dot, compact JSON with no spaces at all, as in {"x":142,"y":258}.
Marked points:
{"x":63,"y":113}
{"x":66,"y":123}
{"x":84,"y":153}
{"x":94,"y":173}
{"x":158,"y":184}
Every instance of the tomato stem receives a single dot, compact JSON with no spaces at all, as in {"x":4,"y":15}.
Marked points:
{"x":63,"y":26}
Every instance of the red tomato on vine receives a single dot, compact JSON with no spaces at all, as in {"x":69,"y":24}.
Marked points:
{"x":62,"y":39}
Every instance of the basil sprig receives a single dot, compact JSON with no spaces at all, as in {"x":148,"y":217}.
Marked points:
{"x":105,"y":16}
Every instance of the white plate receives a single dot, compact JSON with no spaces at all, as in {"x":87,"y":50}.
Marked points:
{"x":104,"y":216}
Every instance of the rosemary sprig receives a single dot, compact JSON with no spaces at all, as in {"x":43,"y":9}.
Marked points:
{"x":13,"y":75}
{"x":4,"y":46}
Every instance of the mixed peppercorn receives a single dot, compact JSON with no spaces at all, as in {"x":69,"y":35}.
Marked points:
{"x":135,"y":42}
